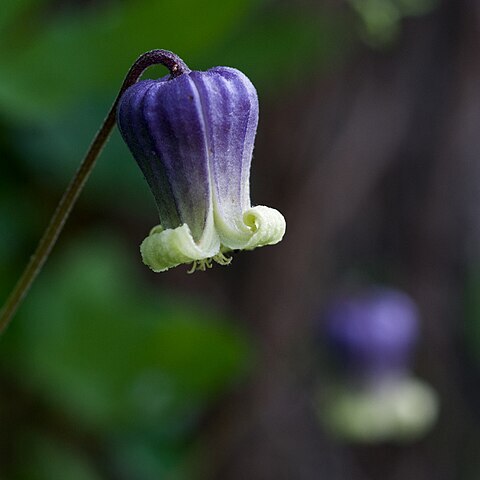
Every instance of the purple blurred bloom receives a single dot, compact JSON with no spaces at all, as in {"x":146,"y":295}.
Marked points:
{"x":193,"y":138}
{"x":372,"y":333}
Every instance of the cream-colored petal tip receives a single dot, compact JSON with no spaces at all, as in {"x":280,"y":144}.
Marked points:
{"x":164,"y":249}
{"x":267,"y":226}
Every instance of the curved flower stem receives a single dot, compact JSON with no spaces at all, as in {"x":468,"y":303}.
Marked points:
{"x":177,"y":67}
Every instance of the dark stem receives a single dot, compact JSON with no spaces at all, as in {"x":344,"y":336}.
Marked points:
{"x":177,"y":67}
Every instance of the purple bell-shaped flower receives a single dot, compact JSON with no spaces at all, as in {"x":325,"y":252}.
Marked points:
{"x":371,"y":335}
{"x":192,"y":135}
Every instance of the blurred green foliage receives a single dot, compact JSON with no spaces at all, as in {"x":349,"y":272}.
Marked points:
{"x":46,"y":458}
{"x":381,"y":19}
{"x":52,"y":58}
{"x":117,"y":358}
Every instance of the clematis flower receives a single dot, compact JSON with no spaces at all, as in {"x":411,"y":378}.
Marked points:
{"x":192,"y":136}
{"x":375,"y":397}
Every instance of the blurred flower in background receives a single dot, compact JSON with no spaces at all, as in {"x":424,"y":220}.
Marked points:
{"x":375,"y":397}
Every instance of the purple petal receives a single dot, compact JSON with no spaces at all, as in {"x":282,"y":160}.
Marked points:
{"x":230,"y":108}
{"x":162,"y":123}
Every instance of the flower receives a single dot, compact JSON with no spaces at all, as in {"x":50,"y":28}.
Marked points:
{"x":371,"y":334}
{"x":192,"y":136}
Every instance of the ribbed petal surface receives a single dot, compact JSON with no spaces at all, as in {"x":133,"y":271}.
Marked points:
{"x":162,"y":123}
{"x":230,"y":108}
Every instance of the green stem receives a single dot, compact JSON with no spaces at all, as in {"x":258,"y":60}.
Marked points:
{"x":176,"y":67}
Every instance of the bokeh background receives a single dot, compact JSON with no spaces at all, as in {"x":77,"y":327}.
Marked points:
{"x":368,"y":142}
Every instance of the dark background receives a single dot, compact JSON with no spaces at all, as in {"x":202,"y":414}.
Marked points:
{"x":368,"y":142}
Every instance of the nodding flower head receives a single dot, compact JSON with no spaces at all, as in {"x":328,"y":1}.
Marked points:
{"x":373,"y":332}
{"x":192,"y":135}
{"x":375,"y":398}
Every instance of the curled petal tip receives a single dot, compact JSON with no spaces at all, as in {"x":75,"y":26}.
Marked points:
{"x":164,"y":249}
{"x":266,"y":224}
